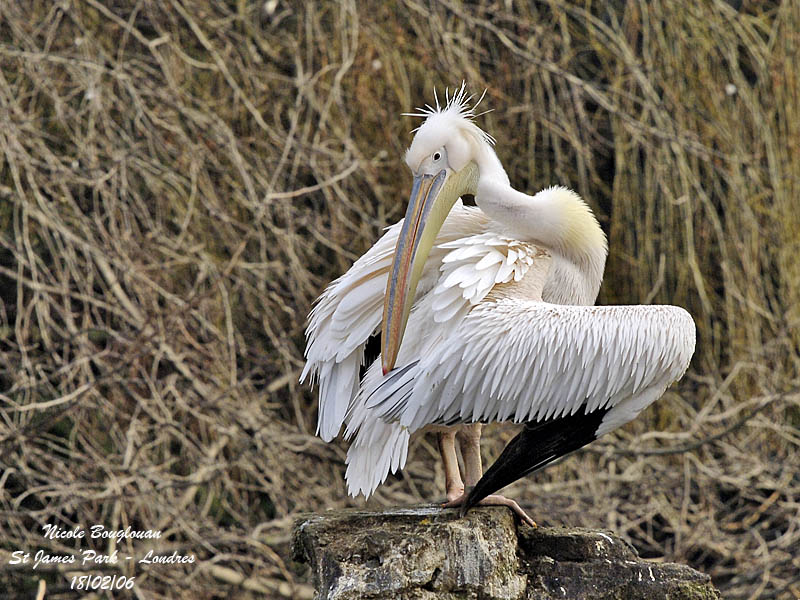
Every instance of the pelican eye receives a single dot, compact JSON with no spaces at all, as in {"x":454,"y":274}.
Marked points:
{"x":437,"y":155}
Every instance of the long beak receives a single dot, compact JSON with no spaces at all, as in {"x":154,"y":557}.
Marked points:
{"x":427,"y":210}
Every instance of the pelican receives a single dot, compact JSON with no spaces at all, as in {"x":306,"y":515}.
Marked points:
{"x":486,"y":314}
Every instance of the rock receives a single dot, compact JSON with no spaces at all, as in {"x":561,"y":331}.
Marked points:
{"x":421,"y":552}
{"x":426,"y":553}
{"x":584,"y":563}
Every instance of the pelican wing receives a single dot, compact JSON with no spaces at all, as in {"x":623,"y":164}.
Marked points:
{"x":523,"y":360}
{"x":346,"y":314}
{"x":463,"y":271}
{"x":349,"y":311}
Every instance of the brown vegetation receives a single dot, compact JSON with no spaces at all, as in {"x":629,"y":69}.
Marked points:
{"x":180,"y":179}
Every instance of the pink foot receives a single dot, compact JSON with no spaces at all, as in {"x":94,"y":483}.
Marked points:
{"x":493,"y":500}
{"x":455,"y":494}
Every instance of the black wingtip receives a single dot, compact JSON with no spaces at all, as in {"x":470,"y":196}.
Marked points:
{"x":509,"y":466}
{"x":536,"y":446}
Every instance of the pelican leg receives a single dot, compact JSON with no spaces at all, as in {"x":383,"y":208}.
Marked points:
{"x":454,"y":487}
{"x":469,"y":438}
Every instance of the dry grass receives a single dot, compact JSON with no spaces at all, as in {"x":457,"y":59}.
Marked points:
{"x":181,"y":179}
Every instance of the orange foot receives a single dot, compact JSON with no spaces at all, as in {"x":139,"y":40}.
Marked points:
{"x":493,"y":500}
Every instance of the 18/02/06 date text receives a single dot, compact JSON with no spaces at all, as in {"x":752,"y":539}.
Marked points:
{"x":119,"y":582}
{"x":101,"y":582}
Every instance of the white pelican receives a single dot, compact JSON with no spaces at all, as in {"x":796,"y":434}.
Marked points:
{"x":485,"y":315}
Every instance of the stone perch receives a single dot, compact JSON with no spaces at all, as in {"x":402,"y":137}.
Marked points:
{"x":425,"y":553}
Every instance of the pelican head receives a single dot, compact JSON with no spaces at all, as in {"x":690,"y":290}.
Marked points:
{"x":444,"y":157}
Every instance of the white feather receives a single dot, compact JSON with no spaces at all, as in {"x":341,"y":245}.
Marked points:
{"x":555,"y":378}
